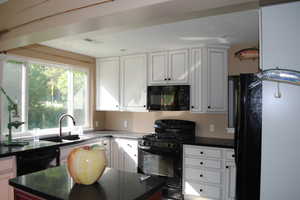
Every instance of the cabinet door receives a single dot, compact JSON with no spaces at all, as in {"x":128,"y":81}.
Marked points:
{"x":198,"y":80}
{"x":178,"y":67}
{"x":130,"y":151}
{"x":6,"y":191}
{"x":108,"y":84}
{"x":158,"y":67}
{"x":230,"y":180}
{"x":217,"y":80}
{"x":116,"y":154}
{"x":134,"y":82}
{"x":106,"y":143}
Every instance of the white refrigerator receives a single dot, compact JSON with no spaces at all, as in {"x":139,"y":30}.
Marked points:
{"x":280,"y":156}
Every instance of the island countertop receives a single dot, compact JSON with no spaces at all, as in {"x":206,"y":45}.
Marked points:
{"x":56,"y":183}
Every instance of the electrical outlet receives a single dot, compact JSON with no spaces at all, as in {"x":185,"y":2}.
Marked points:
{"x":212,"y":128}
{"x":125,"y":123}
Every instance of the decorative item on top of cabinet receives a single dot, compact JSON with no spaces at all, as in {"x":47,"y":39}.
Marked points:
{"x":7,"y":171}
{"x":107,"y":84}
{"x":134,"y":82}
{"x":169,"y":67}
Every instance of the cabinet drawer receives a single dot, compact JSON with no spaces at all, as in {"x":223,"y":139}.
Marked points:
{"x":202,"y":190}
{"x":229,"y":154}
{"x":203,"y":162}
{"x":203,"y":152}
{"x":6,"y":164}
{"x":203,"y":175}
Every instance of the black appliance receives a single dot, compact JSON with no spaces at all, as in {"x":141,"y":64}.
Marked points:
{"x":161,"y":153}
{"x":172,"y":97}
{"x":36,"y":160}
{"x":248,"y":95}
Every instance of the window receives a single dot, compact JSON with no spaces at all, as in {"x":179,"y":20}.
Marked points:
{"x":43,"y":93}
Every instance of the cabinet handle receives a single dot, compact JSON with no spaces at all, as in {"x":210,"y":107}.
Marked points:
{"x":201,"y":152}
{"x":166,"y":79}
{"x":201,"y":190}
{"x":192,"y":107}
{"x":227,"y":167}
{"x":169,"y":79}
{"x":208,"y":106}
{"x":233,"y":155}
{"x":201,"y":163}
{"x":144,"y":106}
{"x":201,"y":175}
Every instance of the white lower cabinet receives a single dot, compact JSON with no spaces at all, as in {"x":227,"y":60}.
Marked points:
{"x":65,"y":150}
{"x":230,"y":180}
{"x":124,"y":154}
{"x":208,"y":173}
{"x":7,"y":171}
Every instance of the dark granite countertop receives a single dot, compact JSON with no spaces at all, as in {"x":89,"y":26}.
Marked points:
{"x":213,"y":142}
{"x":91,"y":135}
{"x":56,"y":183}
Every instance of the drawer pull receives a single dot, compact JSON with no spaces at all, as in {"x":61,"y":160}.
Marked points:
{"x":233,"y":155}
{"x":201,"y":175}
{"x":201,"y":152}
{"x":227,"y":167}
{"x":201,"y":190}
{"x":201,"y":163}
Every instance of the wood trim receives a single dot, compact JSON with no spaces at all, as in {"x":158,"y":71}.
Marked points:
{"x":272,"y":2}
{"x":38,"y":49}
{"x":52,"y":15}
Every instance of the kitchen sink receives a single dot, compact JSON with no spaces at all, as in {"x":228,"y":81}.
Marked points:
{"x":60,"y":139}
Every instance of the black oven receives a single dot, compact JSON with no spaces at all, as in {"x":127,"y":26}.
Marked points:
{"x":152,"y":162}
{"x":161,"y":153}
{"x":172,"y":97}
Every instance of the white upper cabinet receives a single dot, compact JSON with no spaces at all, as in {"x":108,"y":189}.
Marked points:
{"x":134,"y":82}
{"x":208,"y":75}
{"x":108,"y":84}
{"x":217,"y":80}
{"x":197,"y":68}
{"x":169,"y":67}
{"x":158,"y":67}
{"x":178,"y":67}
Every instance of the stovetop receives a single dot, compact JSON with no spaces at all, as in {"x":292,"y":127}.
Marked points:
{"x":164,"y":142}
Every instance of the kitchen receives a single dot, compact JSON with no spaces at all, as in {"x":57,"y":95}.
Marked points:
{"x":117,"y":99}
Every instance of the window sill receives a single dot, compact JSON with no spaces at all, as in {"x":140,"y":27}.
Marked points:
{"x":45,"y":133}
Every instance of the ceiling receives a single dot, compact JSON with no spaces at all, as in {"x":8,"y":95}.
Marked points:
{"x":228,"y":29}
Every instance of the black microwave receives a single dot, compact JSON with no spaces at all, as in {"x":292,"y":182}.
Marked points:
{"x":171,"y":97}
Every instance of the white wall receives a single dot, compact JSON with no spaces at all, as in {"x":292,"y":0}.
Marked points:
{"x":280,"y":173}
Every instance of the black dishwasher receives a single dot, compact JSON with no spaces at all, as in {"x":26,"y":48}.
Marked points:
{"x":36,"y":160}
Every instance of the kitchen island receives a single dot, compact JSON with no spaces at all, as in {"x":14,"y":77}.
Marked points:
{"x":57,"y":184}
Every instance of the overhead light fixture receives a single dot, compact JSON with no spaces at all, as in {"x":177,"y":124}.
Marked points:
{"x":222,"y":39}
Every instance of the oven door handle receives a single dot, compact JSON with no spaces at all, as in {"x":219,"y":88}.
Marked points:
{"x":144,"y":147}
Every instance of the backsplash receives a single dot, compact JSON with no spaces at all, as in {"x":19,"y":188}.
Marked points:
{"x":143,"y":122}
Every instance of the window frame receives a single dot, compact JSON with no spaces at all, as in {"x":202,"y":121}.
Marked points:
{"x":25,"y":90}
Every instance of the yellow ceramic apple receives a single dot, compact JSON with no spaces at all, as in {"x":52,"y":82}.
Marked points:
{"x":87,"y":164}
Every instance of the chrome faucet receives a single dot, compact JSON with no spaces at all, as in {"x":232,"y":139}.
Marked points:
{"x":60,"y":120}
